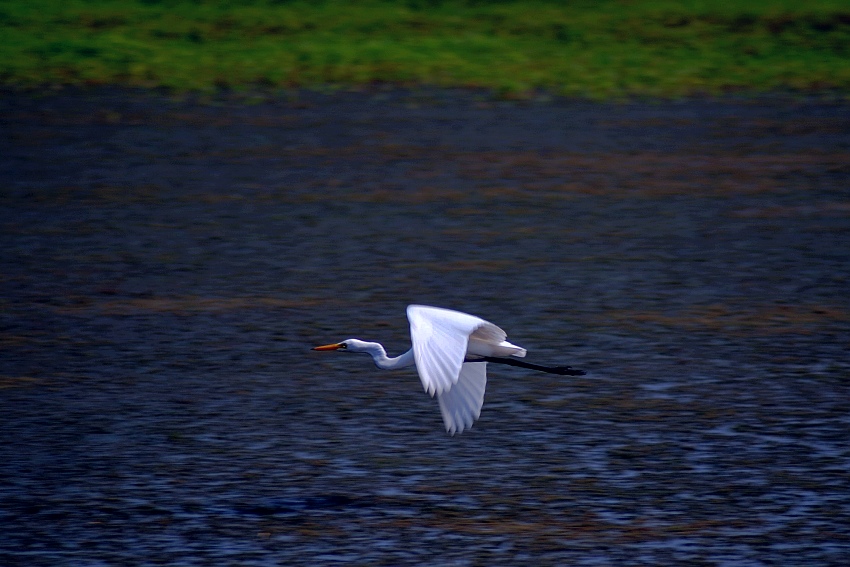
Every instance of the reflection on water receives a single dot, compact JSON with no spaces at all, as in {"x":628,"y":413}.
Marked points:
{"x":165,"y":273}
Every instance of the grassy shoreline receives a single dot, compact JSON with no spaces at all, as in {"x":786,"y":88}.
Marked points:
{"x":604,"y":49}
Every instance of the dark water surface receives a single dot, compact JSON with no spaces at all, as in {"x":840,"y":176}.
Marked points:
{"x":166,"y":265}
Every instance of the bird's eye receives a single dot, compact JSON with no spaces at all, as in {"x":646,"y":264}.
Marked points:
{"x":343,"y":346}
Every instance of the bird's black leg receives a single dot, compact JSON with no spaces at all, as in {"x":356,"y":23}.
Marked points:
{"x":561,"y":370}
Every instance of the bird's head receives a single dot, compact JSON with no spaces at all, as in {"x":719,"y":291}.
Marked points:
{"x":350,"y":345}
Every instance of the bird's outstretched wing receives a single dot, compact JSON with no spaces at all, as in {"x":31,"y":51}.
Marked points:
{"x":461,"y":405}
{"x":440,"y":338}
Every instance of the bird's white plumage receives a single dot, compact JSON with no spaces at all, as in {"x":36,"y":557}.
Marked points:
{"x":442,"y":339}
{"x":461,"y":404}
{"x":448,"y":350}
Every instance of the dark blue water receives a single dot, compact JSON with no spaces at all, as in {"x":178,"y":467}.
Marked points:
{"x":168,"y":263}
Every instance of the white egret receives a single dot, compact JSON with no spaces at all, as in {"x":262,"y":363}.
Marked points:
{"x":451,"y":351}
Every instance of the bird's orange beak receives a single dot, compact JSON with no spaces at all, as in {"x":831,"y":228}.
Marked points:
{"x":334,"y":346}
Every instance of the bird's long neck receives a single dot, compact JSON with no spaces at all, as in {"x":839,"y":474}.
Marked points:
{"x":379,"y":355}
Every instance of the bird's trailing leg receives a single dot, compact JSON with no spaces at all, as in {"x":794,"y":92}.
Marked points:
{"x":561,"y":370}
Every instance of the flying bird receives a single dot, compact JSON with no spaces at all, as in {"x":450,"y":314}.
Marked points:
{"x":451,"y":351}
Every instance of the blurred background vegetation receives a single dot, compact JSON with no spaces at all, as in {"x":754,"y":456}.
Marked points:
{"x":598,"y":49}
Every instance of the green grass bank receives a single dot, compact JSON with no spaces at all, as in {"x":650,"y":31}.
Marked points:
{"x":601,"y":49}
